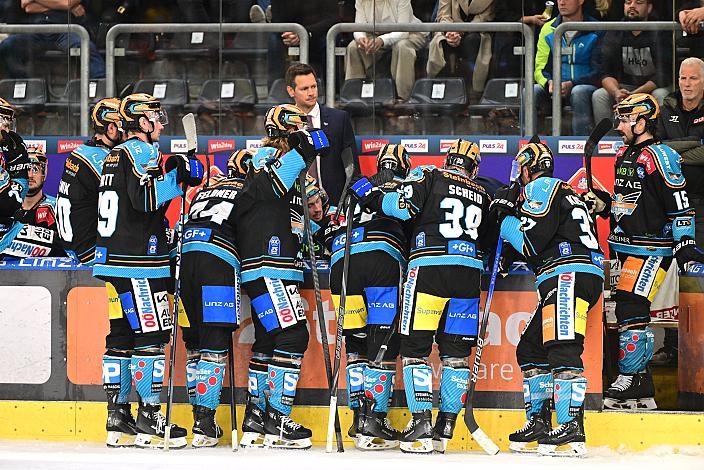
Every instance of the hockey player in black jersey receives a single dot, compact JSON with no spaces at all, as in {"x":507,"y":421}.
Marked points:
{"x":269,"y":235}
{"x":210,"y":293}
{"x":377,"y":261}
{"x":651,"y":222}
{"x":550,"y":226}
{"x":320,"y":213}
{"x":38,"y":237}
{"x":14,"y":174}
{"x":451,"y":228}
{"x":77,"y":200}
{"x":132,"y":257}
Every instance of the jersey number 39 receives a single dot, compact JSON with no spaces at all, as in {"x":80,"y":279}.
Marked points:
{"x":460,"y":219}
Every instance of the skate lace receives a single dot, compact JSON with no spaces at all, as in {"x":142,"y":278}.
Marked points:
{"x":558,"y":430}
{"x":160,"y":424}
{"x":622,"y":383}
{"x":529,"y":423}
{"x":289,"y":423}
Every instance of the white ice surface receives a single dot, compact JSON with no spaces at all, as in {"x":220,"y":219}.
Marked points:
{"x":22,"y":455}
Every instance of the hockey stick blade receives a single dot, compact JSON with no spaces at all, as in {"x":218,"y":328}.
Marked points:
{"x":189,"y":127}
{"x":604,"y":126}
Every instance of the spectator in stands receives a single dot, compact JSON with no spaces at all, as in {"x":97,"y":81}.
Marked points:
{"x":691,"y":18}
{"x":206,"y":11}
{"x":681,"y":126}
{"x":470,"y":49}
{"x":17,"y":51}
{"x":632,"y":62}
{"x":329,"y":171}
{"x":579,"y":68}
{"x":504,"y":63}
{"x":317,"y":16}
{"x":367,"y":48}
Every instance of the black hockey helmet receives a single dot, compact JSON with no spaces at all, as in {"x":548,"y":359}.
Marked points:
{"x":463,"y":154}
{"x":394,"y":157}
{"x":136,"y":105}
{"x":104,"y":112}
{"x":7,"y":114}
{"x":283,"y":119}
{"x":537,"y":157}
{"x":238,"y":164}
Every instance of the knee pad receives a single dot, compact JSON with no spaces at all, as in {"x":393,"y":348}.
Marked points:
{"x":355,"y":370}
{"x":635,"y":350}
{"x":293,"y":340}
{"x":192,"y":358}
{"x":148,"y":373}
{"x":379,"y":383}
{"x":569,"y":393}
{"x":284,"y":371}
{"x":537,"y":389}
{"x":211,"y":370}
{"x":631,"y":310}
{"x":117,"y":378}
{"x":452,"y":345}
{"x":453,"y":384}
{"x":257,"y":384}
{"x":418,"y":382}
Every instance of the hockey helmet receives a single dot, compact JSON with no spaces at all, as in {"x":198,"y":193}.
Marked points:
{"x":104,"y":112}
{"x":7,"y":115}
{"x":238,"y":164}
{"x":640,"y":105}
{"x":137,"y":105}
{"x":394,"y":157}
{"x":312,"y":189}
{"x":37,"y":158}
{"x":463,"y":154}
{"x":284,"y":118}
{"x":536,"y":157}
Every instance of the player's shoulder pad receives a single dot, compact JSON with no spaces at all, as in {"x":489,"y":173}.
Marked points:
{"x":667,"y":161}
{"x":539,"y":194}
{"x":93,"y":155}
{"x":144,"y":155}
{"x":263,"y":156}
{"x":419,"y":172}
{"x":48,"y":201}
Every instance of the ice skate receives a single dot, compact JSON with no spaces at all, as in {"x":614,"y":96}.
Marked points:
{"x":353,"y":431}
{"x":281,"y":432}
{"x":252,"y":426}
{"x":120,"y":426}
{"x":374,"y":431}
{"x":151,"y":424}
{"x":418,"y":435}
{"x":443,"y":430}
{"x":535,"y":428}
{"x":206,"y":431}
{"x":566,"y":440}
{"x":631,"y":392}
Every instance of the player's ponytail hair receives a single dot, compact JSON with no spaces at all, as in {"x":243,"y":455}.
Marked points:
{"x":280,"y":143}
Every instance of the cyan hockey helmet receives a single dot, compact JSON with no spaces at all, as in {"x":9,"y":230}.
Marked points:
{"x":238,"y":164}
{"x":394,"y":157}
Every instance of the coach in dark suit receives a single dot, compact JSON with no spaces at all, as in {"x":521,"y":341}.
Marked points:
{"x":328,"y":170}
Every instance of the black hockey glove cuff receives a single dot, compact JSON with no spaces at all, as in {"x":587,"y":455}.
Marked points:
{"x":505,"y":201}
{"x":16,"y":158}
{"x":189,"y":171}
{"x":309,"y":144}
{"x":598,"y":202}
{"x":685,"y":251}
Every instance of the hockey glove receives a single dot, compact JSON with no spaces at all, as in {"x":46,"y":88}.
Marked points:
{"x":505,"y":201}
{"x":685,"y":252}
{"x":189,"y":171}
{"x":361,"y":186}
{"x":16,"y":157}
{"x":309,"y":143}
{"x":598,"y":202}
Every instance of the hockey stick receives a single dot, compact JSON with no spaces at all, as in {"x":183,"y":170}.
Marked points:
{"x":189,"y":126}
{"x":318,"y":298}
{"x":469,"y":420}
{"x":233,"y":402}
{"x":348,"y":162}
{"x":604,"y":126}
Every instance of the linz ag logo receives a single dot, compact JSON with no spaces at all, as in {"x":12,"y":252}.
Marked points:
{"x":220,"y":145}
{"x":373,"y":145}
{"x":415,"y":145}
{"x":67,"y":146}
{"x":492,"y":146}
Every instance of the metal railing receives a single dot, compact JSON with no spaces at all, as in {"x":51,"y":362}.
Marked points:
{"x":499,"y":27}
{"x":195,"y":28}
{"x":557,"y":52}
{"x":84,"y":57}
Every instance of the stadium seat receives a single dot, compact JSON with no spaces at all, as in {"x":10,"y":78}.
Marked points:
{"x":222,"y":101}
{"x":25,"y":94}
{"x":173,"y":94}
{"x":365,"y":99}
{"x":500,"y":105}
{"x":441,"y":98}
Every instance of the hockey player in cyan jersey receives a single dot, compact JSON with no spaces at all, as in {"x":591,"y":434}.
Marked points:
{"x":210,"y":293}
{"x":269,"y":236}
{"x":132,"y":257}
{"x":38,"y":237}
{"x":550,"y":226}
{"x":651,"y":222}
{"x":77,"y":200}
{"x":451,"y":231}
{"x":377,"y":261}
{"x":14,"y":174}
